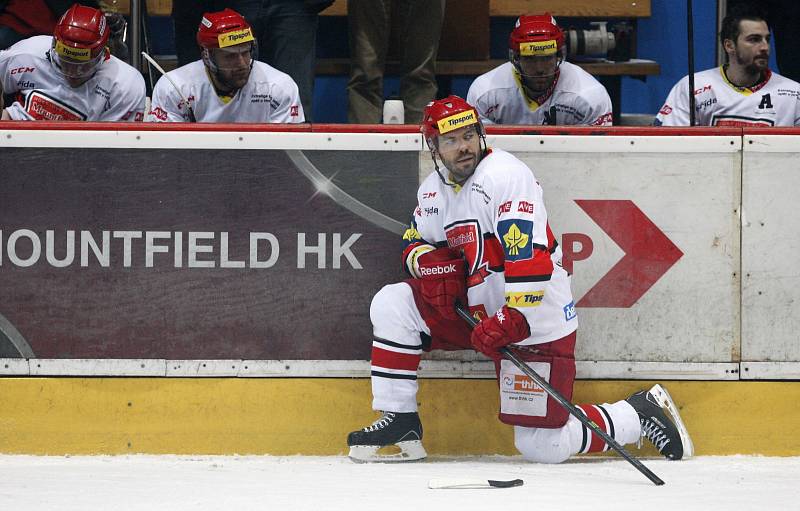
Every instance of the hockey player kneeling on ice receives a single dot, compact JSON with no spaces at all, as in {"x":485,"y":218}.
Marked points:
{"x":480,"y":236}
{"x":71,"y":75}
{"x":227,"y":84}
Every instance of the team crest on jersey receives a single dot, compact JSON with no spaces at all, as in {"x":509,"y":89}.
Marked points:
{"x":45,"y":108}
{"x":466,"y":237}
{"x":516,"y":235}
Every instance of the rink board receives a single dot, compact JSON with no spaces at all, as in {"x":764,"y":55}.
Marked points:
{"x":202,"y":243}
{"x":281,"y":416}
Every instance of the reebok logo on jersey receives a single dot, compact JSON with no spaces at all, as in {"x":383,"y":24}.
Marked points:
{"x":430,"y":271}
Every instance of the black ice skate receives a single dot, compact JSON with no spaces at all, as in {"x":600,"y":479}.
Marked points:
{"x":667,"y":433}
{"x":403,"y":430}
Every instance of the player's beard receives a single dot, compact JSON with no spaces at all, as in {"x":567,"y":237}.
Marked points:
{"x":234,"y":79}
{"x":754,"y":66}
{"x":462,"y":166}
{"x":538,"y":85}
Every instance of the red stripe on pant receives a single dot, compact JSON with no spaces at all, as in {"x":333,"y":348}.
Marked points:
{"x":393,"y":360}
{"x":596,"y":443}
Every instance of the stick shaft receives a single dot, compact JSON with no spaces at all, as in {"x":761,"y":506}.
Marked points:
{"x":572,"y":409}
{"x":160,"y":69}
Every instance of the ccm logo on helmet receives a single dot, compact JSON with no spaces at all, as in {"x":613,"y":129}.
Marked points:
{"x":538,"y":48}
{"x":456,"y":121}
{"x":427,"y":271}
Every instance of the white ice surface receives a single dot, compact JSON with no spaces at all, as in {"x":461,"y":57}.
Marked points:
{"x":141,"y":482}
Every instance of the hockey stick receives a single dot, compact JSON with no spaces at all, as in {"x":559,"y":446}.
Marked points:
{"x":467,"y":483}
{"x":572,"y":409}
{"x":160,"y":69}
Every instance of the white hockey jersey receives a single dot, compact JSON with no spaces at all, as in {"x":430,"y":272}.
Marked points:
{"x":499,"y":221}
{"x":576,"y":98}
{"x":269,"y":96}
{"x":115,"y":93}
{"x":773,"y":102}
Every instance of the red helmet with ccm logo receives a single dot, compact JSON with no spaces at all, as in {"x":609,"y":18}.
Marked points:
{"x":443,"y":115}
{"x":536,"y":36}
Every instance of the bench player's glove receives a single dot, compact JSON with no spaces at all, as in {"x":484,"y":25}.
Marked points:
{"x":443,"y":280}
{"x":505,"y":327}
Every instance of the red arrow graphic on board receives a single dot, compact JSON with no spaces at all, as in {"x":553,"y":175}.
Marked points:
{"x":648,"y":253}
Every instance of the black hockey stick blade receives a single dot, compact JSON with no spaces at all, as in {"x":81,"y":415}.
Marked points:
{"x":453,"y":483}
{"x":572,"y":409}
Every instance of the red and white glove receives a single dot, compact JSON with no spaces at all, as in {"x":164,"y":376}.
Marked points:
{"x":443,"y":280}
{"x":505,"y":327}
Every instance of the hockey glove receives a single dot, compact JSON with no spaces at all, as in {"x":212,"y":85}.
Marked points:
{"x":442,"y":274}
{"x":507,"y":326}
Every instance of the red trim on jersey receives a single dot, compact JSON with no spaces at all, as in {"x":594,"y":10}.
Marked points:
{"x":539,"y":266}
{"x":493,"y":253}
{"x":393,"y":360}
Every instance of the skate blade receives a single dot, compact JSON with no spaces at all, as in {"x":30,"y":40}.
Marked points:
{"x":665,"y":401}
{"x":411,"y":450}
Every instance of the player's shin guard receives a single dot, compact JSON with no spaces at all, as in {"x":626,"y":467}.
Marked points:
{"x":394,"y":376}
{"x":396,"y":349}
{"x":615,"y":419}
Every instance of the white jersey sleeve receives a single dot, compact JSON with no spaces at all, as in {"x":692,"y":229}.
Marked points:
{"x":675,"y":111}
{"x":127,"y":102}
{"x":425,"y":232}
{"x":477,"y":98}
{"x":290,"y":109}
{"x":521,"y":228}
{"x":598,"y":106}
{"x":166,"y":105}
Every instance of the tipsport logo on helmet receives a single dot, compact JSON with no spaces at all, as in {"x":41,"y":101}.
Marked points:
{"x":235,"y":37}
{"x":456,"y":121}
{"x":538,"y":48}
{"x":78,"y":54}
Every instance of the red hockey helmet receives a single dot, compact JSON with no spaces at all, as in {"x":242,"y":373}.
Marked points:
{"x":79,"y":41}
{"x":536,"y":36}
{"x":223,"y":29}
{"x":444,"y":115}
{"x":228,"y":47}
